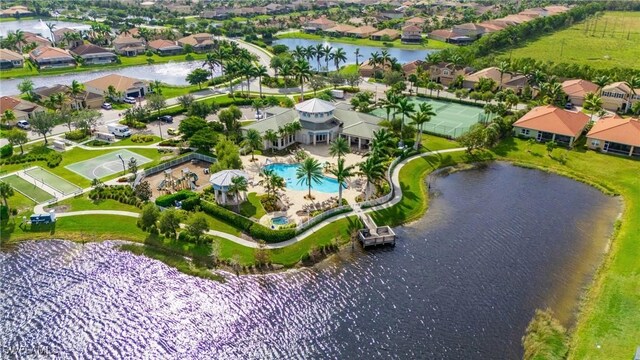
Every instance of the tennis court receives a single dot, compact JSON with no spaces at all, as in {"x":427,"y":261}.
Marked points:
{"x":53,"y":181}
{"x":27,"y":189}
{"x":451,"y":120}
{"x":105,"y":165}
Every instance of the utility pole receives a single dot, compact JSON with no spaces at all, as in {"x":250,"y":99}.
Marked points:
{"x":124,"y":168}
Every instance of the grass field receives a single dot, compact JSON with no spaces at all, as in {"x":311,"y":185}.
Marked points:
{"x":610,"y":40}
{"x":29,"y":190}
{"x":53,"y":181}
{"x":428,"y":44}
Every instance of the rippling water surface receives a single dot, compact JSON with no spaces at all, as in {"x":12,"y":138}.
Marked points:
{"x":461,"y":283}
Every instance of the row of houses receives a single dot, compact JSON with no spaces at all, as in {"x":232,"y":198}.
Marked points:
{"x":469,"y":32}
{"x":612,"y":134}
{"x":223,"y":12}
{"x":410,"y":32}
{"x":129,"y":45}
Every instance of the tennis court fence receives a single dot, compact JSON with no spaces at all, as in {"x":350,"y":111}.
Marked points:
{"x":169,"y":164}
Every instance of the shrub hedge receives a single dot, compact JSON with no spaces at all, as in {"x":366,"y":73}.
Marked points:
{"x":121,"y":193}
{"x":170,"y":199}
{"x":6,"y":151}
{"x":254,"y":229}
{"x":75,"y":135}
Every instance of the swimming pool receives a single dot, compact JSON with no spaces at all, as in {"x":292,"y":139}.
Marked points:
{"x":280,"y":220}
{"x":288,"y":173}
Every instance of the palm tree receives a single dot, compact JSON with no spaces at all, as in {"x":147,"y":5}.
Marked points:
{"x":382,"y":144}
{"x":374,"y":61}
{"x":423,"y":116}
{"x":6,"y":191}
{"x":342,"y":174}
{"x":19,"y":39}
{"x":385,"y":58}
{"x":77,"y":88}
{"x":633,"y":83}
{"x":8,"y":116}
{"x":433,"y":58}
{"x":593,"y":103}
{"x":405,"y":108}
{"x":51,"y":26}
{"x":260,"y":72}
{"x":311,"y":52}
{"x":300,"y":52}
{"x":212,"y":61}
{"x":309,"y":171}
{"x":248,"y":69}
{"x":339,"y":147}
{"x":302,"y":73}
{"x":238,"y":184}
{"x":339,"y":56}
{"x":253,"y":141}
{"x":326,"y":52}
{"x":319,"y":52}
{"x":390,"y":102}
{"x":285,"y":70}
{"x":373,"y":170}
{"x":602,"y":81}
{"x":272,"y":137}
{"x":503,"y":68}
{"x":357,"y":54}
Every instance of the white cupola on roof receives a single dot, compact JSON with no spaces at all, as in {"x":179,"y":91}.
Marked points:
{"x":315,"y":110}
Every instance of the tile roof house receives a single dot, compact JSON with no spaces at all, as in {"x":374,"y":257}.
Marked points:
{"x":321,"y":122}
{"x":413,"y":66}
{"x":411,"y":34}
{"x":616,"y":135}
{"x":362,"y":32}
{"x":340,"y":29}
{"x":31,"y":38}
{"x":367,"y":70}
{"x":16,"y":11}
{"x":321,"y":23}
{"x":550,"y":123}
{"x":124,"y":84}
{"x":384,"y":34}
{"x":129,"y":45}
{"x":618,"y":96}
{"x":22,"y":109}
{"x":50,"y":57}
{"x":445,"y":73}
{"x":576,"y":89}
{"x":165,"y":47}
{"x":493,"y":73}
{"x":416,"y":21}
{"x":200,"y":42}
{"x":59,"y":38}
{"x":84,"y":100}
{"x":10,"y":59}
{"x":94,"y":54}
{"x":474,"y":31}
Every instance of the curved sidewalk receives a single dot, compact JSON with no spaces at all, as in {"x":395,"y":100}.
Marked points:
{"x":395,"y":179}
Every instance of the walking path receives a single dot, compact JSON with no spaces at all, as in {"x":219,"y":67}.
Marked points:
{"x":395,"y":179}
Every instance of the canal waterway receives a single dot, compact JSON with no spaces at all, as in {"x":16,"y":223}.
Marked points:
{"x":462,"y":282}
{"x":403,"y":55}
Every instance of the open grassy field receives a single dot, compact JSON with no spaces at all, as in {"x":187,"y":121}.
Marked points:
{"x":428,"y":44}
{"x":609,"y":40}
{"x":24,"y":187}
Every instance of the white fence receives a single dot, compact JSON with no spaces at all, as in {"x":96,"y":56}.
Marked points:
{"x":316,"y":219}
{"x":387,"y":197}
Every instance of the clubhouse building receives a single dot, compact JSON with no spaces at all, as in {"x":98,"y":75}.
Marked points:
{"x":320,"y":123}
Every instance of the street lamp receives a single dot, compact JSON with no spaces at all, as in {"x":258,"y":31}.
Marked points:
{"x":124,"y":168}
{"x":160,"y":128}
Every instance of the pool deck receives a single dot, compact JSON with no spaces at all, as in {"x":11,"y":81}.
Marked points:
{"x":298,"y":206}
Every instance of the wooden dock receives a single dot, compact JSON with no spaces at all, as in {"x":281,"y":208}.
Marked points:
{"x":375,"y":235}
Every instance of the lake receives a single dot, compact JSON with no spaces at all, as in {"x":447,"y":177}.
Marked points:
{"x":39,"y":26}
{"x":172,"y":73}
{"x":463,"y":282}
{"x":403,"y":55}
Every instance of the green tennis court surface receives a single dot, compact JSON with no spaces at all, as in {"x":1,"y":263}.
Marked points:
{"x":105,"y":165}
{"x":27,"y":189}
{"x":452,"y":119}
{"x":54,"y":181}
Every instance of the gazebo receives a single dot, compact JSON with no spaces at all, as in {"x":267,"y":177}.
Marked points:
{"x":220,"y":182}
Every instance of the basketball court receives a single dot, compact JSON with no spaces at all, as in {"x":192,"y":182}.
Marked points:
{"x":107,"y":164}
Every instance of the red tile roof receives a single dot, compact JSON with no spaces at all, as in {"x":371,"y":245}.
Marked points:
{"x":617,"y":129}
{"x":579,"y":87}
{"x":554,"y":120}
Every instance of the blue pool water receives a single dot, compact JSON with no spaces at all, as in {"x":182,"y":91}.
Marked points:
{"x":288,"y":172}
{"x":280,"y":220}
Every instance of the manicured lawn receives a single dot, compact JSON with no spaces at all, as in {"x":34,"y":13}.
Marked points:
{"x":219,"y":225}
{"x":432,"y":143}
{"x":76,"y":154}
{"x":82,"y":202}
{"x":428,"y":44}
{"x":609,"y":317}
{"x":610,"y":41}
{"x":21,"y":202}
{"x":169,"y":91}
{"x":252,"y":207}
{"x":21,"y":185}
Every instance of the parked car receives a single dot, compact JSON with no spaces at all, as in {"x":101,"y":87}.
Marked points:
{"x":166,"y":118}
{"x":568,"y":106}
{"x":23,"y":124}
{"x":259,"y":115}
{"x":129,"y":100}
{"x":107,"y":106}
{"x":172,"y":131}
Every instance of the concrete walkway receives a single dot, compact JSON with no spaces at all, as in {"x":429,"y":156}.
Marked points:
{"x":395,"y":179}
